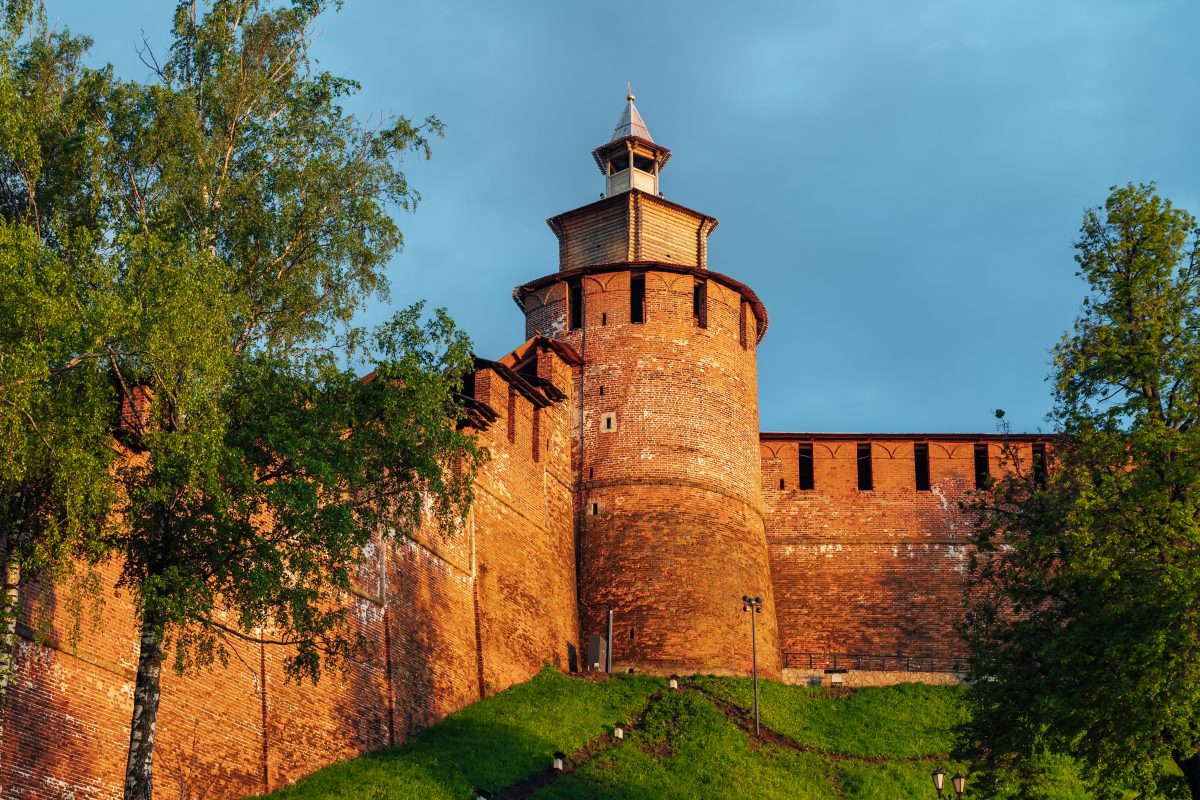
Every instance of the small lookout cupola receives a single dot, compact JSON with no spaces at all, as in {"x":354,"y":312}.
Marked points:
{"x":631,"y":159}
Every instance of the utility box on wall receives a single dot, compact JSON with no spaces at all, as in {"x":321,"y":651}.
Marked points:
{"x":597,"y":654}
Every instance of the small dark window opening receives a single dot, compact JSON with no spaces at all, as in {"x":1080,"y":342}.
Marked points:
{"x":921,"y":460}
{"x":1039,"y":465}
{"x":575,"y":303}
{"x":619,"y":162}
{"x":595,"y":509}
{"x":983,"y":470}
{"x":537,"y":434}
{"x":637,"y":299}
{"x":512,"y":415}
{"x":781,"y":484}
{"x":865,"y":482}
{"x":602,"y":391}
{"x":608,"y":423}
{"x":806,"y":468}
{"x":743,"y":328}
{"x":700,"y":303}
{"x":643,"y":163}
{"x":604,"y":319}
{"x":591,"y":473}
{"x":631,"y":639}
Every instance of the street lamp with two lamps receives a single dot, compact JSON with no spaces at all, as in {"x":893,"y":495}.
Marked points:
{"x":959,"y":782}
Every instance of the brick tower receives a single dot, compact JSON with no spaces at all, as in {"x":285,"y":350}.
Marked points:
{"x":669,"y":524}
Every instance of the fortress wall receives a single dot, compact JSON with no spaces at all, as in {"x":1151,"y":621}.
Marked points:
{"x":453,"y":636}
{"x":874,"y":572}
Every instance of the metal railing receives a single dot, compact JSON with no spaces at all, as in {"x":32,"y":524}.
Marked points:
{"x":880,"y":662}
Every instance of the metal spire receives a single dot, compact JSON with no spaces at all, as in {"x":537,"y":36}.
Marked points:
{"x":630,"y":123}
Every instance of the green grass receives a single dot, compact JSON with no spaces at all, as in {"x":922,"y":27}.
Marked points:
{"x":494,"y":743}
{"x":897,"y":721}
{"x":870,"y":744}
{"x":688,"y":749}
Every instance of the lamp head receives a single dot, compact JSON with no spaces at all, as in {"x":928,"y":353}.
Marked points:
{"x":939,"y":779}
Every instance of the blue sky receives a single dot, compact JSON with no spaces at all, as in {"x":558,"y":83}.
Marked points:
{"x":900,"y":182}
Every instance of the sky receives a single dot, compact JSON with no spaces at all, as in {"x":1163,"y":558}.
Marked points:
{"x":901,"y":183}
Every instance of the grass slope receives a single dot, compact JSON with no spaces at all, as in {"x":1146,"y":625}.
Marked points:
{"x":870,"y":744}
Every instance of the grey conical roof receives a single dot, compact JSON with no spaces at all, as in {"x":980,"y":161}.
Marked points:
{"x":630,"y":123}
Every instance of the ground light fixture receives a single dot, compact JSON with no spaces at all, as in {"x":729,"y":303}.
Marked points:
{"x":753,"y":606}
{"x":560,"y":760}
{"x":484,"y":794}
{"x":959,"y":782}
{"x":673,"y":681}
{"x":619,"y":731}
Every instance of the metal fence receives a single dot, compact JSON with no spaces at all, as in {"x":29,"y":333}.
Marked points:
{"x":881,"y":662}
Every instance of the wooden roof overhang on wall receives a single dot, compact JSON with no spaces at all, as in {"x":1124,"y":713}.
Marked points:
{"x":760,"y":311}
{"x":514,"y":368}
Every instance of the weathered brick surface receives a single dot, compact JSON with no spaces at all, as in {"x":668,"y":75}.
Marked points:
{"x":451,"y":617}
{"x":873,"y":572}
{"x":857,"y":678}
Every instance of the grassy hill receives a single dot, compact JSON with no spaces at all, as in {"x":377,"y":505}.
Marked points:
{"x":867,"y":744}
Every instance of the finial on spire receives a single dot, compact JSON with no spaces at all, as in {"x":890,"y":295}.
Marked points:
{"x":629,"y":87}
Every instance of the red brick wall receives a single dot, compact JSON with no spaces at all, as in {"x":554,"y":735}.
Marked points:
{"x":677,"y":536}
{"x":451,"y":617}
{"x":876,"y":572}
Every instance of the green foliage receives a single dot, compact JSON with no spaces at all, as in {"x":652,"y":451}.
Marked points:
{"x":56,"y":403}
{"x":1085,"y":633}
{"x":182,"y":261}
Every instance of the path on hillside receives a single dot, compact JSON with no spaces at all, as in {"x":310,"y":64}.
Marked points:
{"x":742,"y":719}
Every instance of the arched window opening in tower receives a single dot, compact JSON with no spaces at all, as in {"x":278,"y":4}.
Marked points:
{"x":700,"y":303}
{"x":575,"y":303}
{"x":637,"y":298}
{"x":865,"y":479}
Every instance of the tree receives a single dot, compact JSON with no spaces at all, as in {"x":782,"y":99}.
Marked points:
{"x":55,"y":401}
{"x":1085,"y":623}
{"x":250,"y":222}
{"x":193,"y":315}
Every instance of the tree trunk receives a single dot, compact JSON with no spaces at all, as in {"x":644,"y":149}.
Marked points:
{"x":9,"y":609}
{"x":146,"y":692}
{"x":1190,"y":767}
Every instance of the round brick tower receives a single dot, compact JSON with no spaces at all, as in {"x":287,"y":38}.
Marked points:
{"x":666,"y":456}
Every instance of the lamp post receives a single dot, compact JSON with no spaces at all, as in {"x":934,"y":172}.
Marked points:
{"x":959,"y":782}
{"x":753,"y":605}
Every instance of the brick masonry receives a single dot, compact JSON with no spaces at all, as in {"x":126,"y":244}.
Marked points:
{"x":627,"y":472}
